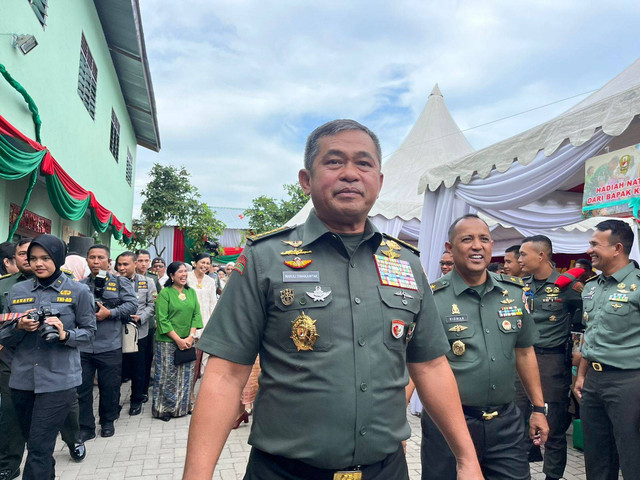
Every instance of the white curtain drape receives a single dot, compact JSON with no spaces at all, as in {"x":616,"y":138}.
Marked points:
{"x":525,"y":197}
{"x":231,"y":237}
{"x":165,"y":240}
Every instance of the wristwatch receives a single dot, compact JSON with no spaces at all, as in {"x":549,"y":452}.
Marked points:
{"x":543,"y":410}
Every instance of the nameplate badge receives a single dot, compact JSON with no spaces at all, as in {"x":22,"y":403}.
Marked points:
{"x":457,"y":318}
{"x":301,"y":276}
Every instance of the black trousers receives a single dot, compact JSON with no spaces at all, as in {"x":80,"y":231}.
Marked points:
{"x":71,"y":426}
{"x":498,"y":443}
{"x":109,"y":367}
{"x":41,"y":416}
{"x":149,"y":348}
{"x":610,"y":415}
{"x":11,"y":439}
{"x":264,"y":466}
{"x":135,"y":364}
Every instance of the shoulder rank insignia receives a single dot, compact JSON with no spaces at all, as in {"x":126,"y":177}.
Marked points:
{"x":318,"y":294}
{"x":304,"y":332}
{"x":297,"y":263}
{"x":438,"y":285}
{"x":397,"y":242}
{"x":292,"y":243}
{"x":6,"y":275}
{"x":515,"y":280}
{"x":594,"y":277}
{"x":270,"y":233}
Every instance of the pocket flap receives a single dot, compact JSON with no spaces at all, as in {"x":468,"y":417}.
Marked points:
{"x":397,"y":298}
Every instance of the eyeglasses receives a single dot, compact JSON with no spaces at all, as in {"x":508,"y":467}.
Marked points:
{"x":446,"y":264}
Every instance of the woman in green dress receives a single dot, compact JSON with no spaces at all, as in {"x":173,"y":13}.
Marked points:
{"x":177,"y":318}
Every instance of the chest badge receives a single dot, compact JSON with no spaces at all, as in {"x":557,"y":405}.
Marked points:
{"x":458,"y":348}
{"x":458,"y":328}
{"x":455,"y":310}
{"x":395,"y":273}
{"x":297,"y":263}
{"x":507,"y":301}
{"x":287,"y":296}
{"x":505,"y":293}
{"x":621,"y":286}
{"x":296,"y":251}
{"x":397,"y":328}
{"x":304,"y":332}
{"x":318,"y":294}
{"x":616,"y":306}
{"x":292,"y":243}
{"x":633,"y":287}
{"x":506,"y":324}
{"x":553,"y":318}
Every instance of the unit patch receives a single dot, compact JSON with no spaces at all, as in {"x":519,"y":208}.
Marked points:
{"x":241,"y":264}
{"x":397,"y":328}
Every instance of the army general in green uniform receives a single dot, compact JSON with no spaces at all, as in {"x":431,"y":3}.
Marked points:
{"x":491,"y":335}
{"x":609,"y":374}
{"x":335,"y":311}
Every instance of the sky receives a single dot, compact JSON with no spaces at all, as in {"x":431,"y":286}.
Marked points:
{"x":240,"y":84}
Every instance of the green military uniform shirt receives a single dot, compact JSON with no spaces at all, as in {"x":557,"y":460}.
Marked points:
{"x":612,"y":316}
{"x":553,"y":309}
{"x":336,"y":399}
{"x":483,"y":331}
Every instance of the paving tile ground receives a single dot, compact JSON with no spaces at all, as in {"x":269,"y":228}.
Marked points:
{"x":145,"y":448}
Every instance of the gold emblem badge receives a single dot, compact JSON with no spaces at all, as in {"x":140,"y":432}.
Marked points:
{"x":548,"y":290}
{"x":505,"y":293}
{"x":506,"y":324}
{"x":556,"y":290}
{"x":292,"y":243}
{"x":297,"y":263}
{"x":295,"y":251}
{"x":633,"y":287}
{"x":616,"y":305}
{"x":390,"y":253}
{"x":287,"y":296}
{"x":507,"y":301}
{"x":65,"y":292}
{"x":353,"y":475}
{"x":455,"y":310}
{"x":585,"y":316}
{"x":621,"y":286}
{"x":553,"y":318}
{"x":303,"y":332}
{"x":458,"y":328}
{"x":458,"y":347}
{"x":393,"y":245}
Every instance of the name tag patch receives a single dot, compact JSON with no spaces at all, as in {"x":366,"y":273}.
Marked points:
{"x":64,"y":299}
{"x":20,"y":301}
{"x":395,"y":272}
{"x":301,"y":276}
{"x":457,"y":318}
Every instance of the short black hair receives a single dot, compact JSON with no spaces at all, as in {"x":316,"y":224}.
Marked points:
{"x":452,"y":227}
{"x":158,"y":260}
{"x":129,"y":254}
{"x":620,"y":233}
{"x":100,"y":246}
{"x":24,"y":241}
{"x":143,"y":252}
{"x":515,"y":249}
{"x":494,"y":267}
{"x":584,"y":261}
{"x":7,"y":250}
{"x":547,"y":246}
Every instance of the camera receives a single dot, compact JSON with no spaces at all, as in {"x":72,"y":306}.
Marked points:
{"x":49,"y":333}
{"x":99,"y":282}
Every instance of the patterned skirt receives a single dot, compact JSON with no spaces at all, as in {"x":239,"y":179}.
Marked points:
{"x":171,"y":383}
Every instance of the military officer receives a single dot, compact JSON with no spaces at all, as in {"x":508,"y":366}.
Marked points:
{"x":609,"y":373}
{"x":115,"y":303}
{"x":334,"y":309}
{"x":511,"y":265}
{"x":491,"y":336}
{"x":146,"y":292}
{"x":552,"y":309}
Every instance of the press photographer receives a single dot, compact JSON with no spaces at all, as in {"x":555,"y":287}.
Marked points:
{"x":57,"y":318}
{"x":115,"y":302}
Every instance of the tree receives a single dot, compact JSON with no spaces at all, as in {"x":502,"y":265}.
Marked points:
{"x":169,"y":198}
{"x":267,"y":213}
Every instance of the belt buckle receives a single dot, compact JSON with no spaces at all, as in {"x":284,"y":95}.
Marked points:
{"x":350,"y":475}
{"x":489,"y":415}
{"x":596,"y":366}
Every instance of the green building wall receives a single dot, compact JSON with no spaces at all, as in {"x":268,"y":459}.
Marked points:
{"x":80,"y":144}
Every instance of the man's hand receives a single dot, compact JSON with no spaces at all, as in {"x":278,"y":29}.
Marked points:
{"x":103,"y":312}
{"x":538,"y":428}
{"x":577,"y":388}
{"x":136,"y":318}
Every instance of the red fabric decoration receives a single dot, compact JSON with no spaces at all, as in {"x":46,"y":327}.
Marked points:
{"x":569,"y":276}
{"x":178,"y":245}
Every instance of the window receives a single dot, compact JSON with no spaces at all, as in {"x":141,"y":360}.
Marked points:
{"x":114,"y":139}
{"x":40,"y":9}
{"x":129,"y":167}
{"x":87,"y":78}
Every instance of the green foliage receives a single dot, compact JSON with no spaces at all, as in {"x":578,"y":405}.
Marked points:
{"x":170,"y":199}
{"x":267,"y":213}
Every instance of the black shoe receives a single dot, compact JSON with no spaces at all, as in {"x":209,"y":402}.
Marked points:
{"x":164,"y":418}
{"x":107,"y":430}
{"x":9,"y":475}
{"x":135,"y":409}
{"x":84,"y":435}
{"x":77,"y":451}
{"x":145,"y":398}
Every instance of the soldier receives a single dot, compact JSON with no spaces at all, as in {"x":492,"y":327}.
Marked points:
{"x":491,"y":336}
{"x":446,"y":262}
{"x":335,"y":310}
{"x":552,"y":308}
{"x":146,"y":292}
{"x":511,"y":265}
{"x":115,"y":303}
{"x":609,"y":374}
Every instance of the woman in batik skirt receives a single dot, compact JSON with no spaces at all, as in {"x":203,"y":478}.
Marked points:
{"x":177,"y":319}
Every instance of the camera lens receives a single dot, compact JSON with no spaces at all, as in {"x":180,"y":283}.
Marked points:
{"x":49,"y":333}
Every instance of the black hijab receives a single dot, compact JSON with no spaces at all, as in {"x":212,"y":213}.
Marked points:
{"x":56,"y":249}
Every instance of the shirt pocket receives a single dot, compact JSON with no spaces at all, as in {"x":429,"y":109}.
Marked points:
{"x":509,"y":327}
{"x":399,"y":309}
{"x":304,"y":312}
{"x":460,"y":340}
{"x":616,"y":319}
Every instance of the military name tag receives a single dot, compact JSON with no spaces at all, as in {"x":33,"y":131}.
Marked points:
{"x":64,"y":299}
{"x":395,"y":273}
{"x":18,"y":301}
{"x":301,"y":276}
{"x":457,"y":318}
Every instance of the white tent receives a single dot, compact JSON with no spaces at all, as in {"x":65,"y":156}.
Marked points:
{"x":434,"y":139}
{"x":524,"y":181}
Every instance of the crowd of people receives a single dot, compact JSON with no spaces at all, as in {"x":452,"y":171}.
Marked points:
{"x":341,"y":325}
{"x":64,"y":311}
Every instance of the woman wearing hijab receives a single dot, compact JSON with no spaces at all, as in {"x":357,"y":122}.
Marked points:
{"x":61,"y":319}
{"x":177,"y":318}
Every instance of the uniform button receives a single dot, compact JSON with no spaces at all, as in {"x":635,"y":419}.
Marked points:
{"x":353,"y":265}
{"x":493,"y":359}
{"x":493,"y":387}
{"x":357,"y":300}
{"x":362,"y":342}
{"x":363,"y":431}
{"x":363,"y":387}
{"x":486,"y":330}
{"x":482,"y":305}
{"x":303,"y":301}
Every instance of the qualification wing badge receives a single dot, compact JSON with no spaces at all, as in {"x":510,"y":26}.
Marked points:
{"x":318,"y":294}
{"x":297,"y":263}
{"x":296,"y":251}
{"x":304,"y":333}
{"x":458,"y":328}
{"x":292,"y":243}
{"x":455,"y":310}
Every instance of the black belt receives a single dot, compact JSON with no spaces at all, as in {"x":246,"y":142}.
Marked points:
{"x":487,"y":413}
{"x":548,"y":351}
{"x":602,"y":367}
{"x":304,"y":470}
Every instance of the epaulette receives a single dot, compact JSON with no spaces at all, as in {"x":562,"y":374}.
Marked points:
{"x":6,"y":275}
{"x":594,"y":277}
{"x":270,"y":233}
{"x":151,"y":274}
{"x":439,"y":284}
{"x":67,"y":272}
{"x":509,"y":279}
{"x":404,"y":244}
